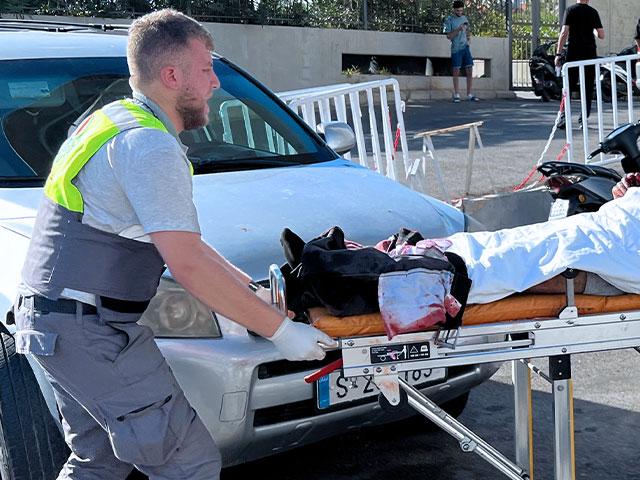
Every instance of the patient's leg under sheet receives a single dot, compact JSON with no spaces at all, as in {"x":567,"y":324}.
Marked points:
{"x":606,"y":242}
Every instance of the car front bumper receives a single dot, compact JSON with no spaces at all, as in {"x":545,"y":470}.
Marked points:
{"x":256,"y":404}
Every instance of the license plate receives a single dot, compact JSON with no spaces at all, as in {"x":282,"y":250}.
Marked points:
{"x":334,"y":389}
{"x":559,"y":209}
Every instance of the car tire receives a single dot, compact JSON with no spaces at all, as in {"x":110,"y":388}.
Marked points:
{"x":31,"y":445}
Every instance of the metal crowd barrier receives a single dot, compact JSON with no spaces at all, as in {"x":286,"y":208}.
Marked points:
{"x":607,"y":119}
{"x":342,"y":102}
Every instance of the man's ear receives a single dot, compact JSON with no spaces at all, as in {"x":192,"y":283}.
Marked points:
{"x":171,"y":77}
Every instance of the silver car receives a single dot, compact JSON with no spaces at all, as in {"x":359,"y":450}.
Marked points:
{"x":258,"y":169}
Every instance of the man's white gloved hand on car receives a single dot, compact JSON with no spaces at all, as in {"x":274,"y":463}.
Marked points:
{"x":295,"y":340}
{"x":299,"y":341}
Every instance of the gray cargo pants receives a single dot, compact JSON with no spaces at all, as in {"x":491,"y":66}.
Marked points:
{"x":120,"y":403}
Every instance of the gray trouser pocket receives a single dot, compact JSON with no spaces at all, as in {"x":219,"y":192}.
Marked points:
{"x":30,"y":337}
{"x":146,"y":422}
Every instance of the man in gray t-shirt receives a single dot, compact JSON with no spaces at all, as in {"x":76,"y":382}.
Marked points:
{"x":456,"y":28}
{"x":118,"y":206}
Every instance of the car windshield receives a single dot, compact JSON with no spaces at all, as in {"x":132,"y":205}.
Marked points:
{"x":42,"y":101}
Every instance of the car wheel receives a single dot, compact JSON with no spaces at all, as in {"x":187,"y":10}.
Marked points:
{"x":31,"y":445}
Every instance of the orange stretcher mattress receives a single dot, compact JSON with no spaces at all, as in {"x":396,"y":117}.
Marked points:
{"x":515,"y":307}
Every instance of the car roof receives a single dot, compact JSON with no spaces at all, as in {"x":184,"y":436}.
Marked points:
{"x":23,"y":44}
{"x":21,"y":39}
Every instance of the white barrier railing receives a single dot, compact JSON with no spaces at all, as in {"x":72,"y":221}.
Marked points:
{"x":607,"y":120}
{"x":323,"y":104}
{"x":275,"y":142}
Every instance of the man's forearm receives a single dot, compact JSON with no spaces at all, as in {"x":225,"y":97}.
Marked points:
{"x":214,"y":281}
{"x":453,"y":33}
{"x":562,"y":39}
{"x":222,"y":289}
{"x":231,"y":268}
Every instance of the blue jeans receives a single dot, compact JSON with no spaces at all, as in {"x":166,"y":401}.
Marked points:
{"x":461,"y":58}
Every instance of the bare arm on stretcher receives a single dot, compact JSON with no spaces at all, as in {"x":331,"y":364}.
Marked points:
{"x":628,"y":181}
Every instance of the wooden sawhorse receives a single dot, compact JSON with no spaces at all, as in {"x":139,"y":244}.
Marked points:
{"x":428,"y":150}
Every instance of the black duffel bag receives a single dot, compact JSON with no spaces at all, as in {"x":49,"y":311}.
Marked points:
{"x":325,"y":272}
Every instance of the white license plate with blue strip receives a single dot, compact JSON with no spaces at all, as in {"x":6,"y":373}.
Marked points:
{"x":335,"y":389}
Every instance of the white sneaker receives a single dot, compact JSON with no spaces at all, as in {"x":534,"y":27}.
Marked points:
{"x":456,"y":98}
{"x":472,"y":98}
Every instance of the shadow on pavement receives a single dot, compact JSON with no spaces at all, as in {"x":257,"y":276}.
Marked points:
{"x":604,"y":437}
{"x":505,"y":120}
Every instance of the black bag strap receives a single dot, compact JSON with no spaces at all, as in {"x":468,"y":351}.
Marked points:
{"x":459,"y":288}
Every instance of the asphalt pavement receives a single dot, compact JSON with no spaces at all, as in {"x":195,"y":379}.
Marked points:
{"x":607,"y":398}
{"x":514,"y":134}
{"x":607,"y":419}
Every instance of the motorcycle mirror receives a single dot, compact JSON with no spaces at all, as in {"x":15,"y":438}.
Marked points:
{"x":595,"y":152}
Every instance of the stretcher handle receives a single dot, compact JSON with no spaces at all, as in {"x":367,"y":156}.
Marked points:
{"x":326,"y":370}
{"x":278,"y":289}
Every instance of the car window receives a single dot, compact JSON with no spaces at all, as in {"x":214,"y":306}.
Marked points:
{"x":43,"y":101}
{"x":247,"y":128}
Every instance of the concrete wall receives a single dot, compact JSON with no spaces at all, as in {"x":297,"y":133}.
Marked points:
{"x":619,"y":18}
{"x":289,"y":58}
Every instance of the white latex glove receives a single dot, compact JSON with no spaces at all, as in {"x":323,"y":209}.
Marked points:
{"x":299,"y":341}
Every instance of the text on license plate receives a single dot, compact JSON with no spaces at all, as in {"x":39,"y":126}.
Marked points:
{"x":334,"y":389}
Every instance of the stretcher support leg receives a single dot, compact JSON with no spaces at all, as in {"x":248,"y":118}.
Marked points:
{"x":521,"y":377}
{"x":469,"y":441}
{"x":560,"y":372}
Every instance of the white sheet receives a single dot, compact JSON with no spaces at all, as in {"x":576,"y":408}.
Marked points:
{"x":508,"y":261}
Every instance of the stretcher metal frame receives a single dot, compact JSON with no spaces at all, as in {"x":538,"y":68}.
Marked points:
{"x":556,"y":338}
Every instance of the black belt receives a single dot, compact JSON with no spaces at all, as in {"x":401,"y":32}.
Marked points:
{"x":63,"y":305}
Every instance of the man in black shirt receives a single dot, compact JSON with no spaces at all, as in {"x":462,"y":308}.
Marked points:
{"x":580,"y":22}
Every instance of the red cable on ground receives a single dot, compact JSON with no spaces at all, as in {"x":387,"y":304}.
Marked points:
{"x":563,"y":152}
{"x":521,"y":185}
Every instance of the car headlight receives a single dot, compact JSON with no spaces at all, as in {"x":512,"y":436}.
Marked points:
{"x":173,"y":312}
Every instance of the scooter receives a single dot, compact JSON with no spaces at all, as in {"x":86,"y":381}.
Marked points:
{"x":578,"y":188}
{"x":546,"y":84}
{"x":620,"y":69}
{"x":623,"y":141}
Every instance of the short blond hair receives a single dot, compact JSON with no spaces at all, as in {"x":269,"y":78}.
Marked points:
{"x":159,"y":38}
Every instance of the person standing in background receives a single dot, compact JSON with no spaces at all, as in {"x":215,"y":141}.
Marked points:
{"x":580,"y":26}
{"x":456,"y":28}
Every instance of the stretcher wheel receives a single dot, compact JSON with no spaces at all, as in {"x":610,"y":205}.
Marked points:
{"x":387,"y":407}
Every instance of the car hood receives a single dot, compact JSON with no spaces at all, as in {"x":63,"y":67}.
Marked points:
{"x":253,"y":208}
{"x":242,"y":214}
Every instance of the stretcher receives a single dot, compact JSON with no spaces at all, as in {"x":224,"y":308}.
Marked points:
{"x":533,"y":326}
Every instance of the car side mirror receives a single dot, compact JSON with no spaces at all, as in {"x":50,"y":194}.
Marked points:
{"x":338,"y":135}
